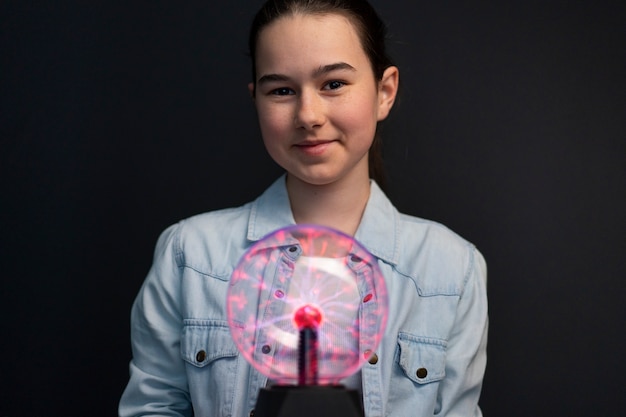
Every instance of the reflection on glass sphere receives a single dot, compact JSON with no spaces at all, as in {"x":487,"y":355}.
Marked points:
{"x":307,"y":277}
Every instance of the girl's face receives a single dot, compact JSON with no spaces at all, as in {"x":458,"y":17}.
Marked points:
{"x":317,"y":99}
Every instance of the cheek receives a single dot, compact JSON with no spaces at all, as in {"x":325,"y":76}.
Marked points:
{"x":272,"y":121}
{"x":361,"y":116}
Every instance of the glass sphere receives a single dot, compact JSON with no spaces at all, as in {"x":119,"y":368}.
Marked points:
{"x":314,"y":277}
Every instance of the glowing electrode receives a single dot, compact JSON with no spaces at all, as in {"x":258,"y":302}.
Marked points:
{"x":307,"y":319}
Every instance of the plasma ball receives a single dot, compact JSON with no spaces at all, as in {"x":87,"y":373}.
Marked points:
{"x":307,"y":317}
{"x":316,"y":317}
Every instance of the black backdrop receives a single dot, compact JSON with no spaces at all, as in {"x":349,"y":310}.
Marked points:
{"x":120,"y":118}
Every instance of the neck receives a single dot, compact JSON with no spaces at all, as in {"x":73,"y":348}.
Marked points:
{"x":339,"y":205}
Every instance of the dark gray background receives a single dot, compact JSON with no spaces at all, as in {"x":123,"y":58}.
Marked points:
{"x":120,"y":118}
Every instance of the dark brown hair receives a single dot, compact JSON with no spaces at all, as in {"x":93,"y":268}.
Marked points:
{"x":372,"y":32}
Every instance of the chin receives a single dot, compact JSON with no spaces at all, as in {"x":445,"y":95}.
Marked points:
{"x":314,"y":179}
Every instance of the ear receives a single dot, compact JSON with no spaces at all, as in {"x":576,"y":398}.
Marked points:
{"x":251,"y":90}
{"x":387,"y":91}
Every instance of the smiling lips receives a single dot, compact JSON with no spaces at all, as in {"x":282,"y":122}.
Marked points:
{"x":313,"y":147}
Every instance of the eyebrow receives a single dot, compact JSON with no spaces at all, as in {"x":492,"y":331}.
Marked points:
{"x":324,"y":69}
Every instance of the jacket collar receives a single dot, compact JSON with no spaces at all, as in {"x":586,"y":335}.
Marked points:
{"x":377,"y":232}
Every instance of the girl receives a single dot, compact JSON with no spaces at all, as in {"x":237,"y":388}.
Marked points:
{"x":321,"y":83}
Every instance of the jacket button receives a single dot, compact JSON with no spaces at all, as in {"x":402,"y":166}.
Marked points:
{"x":293,"y":249}
{"x":252,"y":413}
{"x":266,"y":349}
{"x":421,"y":373}
{"x":201,"y":356}
{"x":373,"y":360}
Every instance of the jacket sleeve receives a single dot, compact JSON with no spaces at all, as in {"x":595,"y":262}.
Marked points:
{"x":466,"y":357}
{"x":158,"y":383}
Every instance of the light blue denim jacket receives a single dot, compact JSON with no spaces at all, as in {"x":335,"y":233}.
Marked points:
{"x":431,"y":360}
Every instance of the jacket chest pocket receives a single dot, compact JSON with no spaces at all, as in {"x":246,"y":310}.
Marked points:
{"x":422,"y":360}
{"x":211,"y":359}
{"x":419,"y":366}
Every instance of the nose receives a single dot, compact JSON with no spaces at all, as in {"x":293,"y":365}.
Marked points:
{"x":310,"y":112}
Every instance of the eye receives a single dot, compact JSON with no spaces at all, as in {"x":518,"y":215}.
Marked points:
{"x":333,"y":85}
{"x":282,"y":91}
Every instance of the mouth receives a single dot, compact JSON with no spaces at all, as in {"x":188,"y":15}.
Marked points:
{"x":312,"y":143}
{"x":313,"y":147}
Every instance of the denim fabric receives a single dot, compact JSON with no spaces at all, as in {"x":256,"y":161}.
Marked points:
{"x":432,"y":357}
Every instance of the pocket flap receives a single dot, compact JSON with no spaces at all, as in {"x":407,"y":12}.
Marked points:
{"x":203,"y":341}
{"x":423,"y":360}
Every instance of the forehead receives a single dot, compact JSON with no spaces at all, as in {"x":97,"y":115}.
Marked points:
{"x":299,"y":37}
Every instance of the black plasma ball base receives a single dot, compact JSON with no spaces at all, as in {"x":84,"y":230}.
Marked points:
{"x":308,"y":401}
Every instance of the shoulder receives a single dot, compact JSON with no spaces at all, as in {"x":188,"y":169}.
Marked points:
{"x":434,"y":235}
{"x":224,"y":222}
{"x":209,"y":243}
{"x":436,"y":258}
